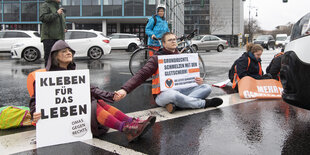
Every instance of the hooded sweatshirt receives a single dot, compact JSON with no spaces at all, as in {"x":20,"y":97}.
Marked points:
{"x":96,"y":93}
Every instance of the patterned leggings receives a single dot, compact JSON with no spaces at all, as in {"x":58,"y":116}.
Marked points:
{"x":110,"y":116}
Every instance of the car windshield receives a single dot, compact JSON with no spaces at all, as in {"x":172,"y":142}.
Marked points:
{"x":281,"y":38}
{"x":301,"y":28}
{"x":262,"y":38}
{"x":198,"y":37}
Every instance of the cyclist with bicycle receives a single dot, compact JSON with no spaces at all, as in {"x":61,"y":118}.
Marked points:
{"x":193,"y":97}
{"x":156,"y":27}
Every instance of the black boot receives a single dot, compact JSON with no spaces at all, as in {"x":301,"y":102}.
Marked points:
{"x":214,"y":102}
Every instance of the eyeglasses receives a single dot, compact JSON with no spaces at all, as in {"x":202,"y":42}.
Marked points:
{"x":172,"y":40}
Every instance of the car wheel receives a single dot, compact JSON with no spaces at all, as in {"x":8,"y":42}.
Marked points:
{"x":31,"y":54}
{"x":132,"y":47}
{"x":95,"y":53}
{"x":273,"y":47}
{"x":267,"y":47}
{"x":195,"y":47}
{"x":220,"y":48}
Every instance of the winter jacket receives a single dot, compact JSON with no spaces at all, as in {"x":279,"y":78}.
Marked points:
{"x":53,"y":24}
{"x":158,"y":30}
{"x":146,"y":71}
{"x":96,"y":93}
{"x":253,"y":70}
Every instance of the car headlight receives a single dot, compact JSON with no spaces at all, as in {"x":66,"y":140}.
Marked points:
{"x":265,"y":42}
{"x":18,"y":45}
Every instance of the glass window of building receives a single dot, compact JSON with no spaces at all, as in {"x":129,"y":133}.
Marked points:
{"x":91,"y":8}
{"x":150,"y":7}
{"x":112,"y":7}
{"x":29,"y":11}
{"x":111,"y":28}
{"x":72,"y":7}
{"x":196,"y":15}
{"x":11,"y":12}
{"x":133,"y":7}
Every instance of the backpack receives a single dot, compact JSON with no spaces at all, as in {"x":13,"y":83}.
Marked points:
{"x":146,"y":36}
{"x":14,"y":116}
{"x":231,"y":71}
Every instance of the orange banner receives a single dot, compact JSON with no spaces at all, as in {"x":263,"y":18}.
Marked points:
{"x":260,"y":89}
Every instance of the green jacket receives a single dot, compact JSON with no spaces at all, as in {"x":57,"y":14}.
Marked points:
{"x":53,"y":24}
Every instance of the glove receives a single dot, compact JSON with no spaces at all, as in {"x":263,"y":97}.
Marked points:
{"x":267,"y":76}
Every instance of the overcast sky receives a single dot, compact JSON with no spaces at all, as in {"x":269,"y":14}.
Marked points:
{"x":272,"y":13}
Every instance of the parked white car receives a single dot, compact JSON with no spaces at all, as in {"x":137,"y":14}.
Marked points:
{"x":10,"y":37}
{"x":127,"y":41}
{"x":85,"y":42}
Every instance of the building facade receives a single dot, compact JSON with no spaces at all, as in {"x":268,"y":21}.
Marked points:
{"x":108,"y":16}
{"x":215,"y":17}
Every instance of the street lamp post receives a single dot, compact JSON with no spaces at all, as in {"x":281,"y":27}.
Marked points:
{"x":232,"y":25}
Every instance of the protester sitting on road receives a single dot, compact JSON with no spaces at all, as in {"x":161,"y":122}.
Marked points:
{"x":193,"y":97}
{"x":249,"y":64}
{"x":275,"y":66}
{"x":156,"y":27}
{"x":102,"y":114}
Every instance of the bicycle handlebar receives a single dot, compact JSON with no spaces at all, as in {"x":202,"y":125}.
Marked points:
{"x":190,"y":36}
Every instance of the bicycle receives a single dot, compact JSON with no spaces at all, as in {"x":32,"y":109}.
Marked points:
{"x":141,"y":55}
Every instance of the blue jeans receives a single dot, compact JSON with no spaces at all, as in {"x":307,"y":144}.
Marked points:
{"x":192,"y":97}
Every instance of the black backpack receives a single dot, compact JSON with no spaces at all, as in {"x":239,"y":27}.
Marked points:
{"x":145,"y":36}
{"x":231,"y":72}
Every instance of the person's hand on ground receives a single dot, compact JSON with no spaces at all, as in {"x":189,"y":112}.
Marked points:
{"x":199,"y":80}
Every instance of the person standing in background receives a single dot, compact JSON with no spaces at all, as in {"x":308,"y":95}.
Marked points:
{"x":53,"y":25}
{"x":156,"y":27}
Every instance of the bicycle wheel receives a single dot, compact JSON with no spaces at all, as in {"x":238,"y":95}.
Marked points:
{"x":138,"y":59}
{"x":202,"y":67}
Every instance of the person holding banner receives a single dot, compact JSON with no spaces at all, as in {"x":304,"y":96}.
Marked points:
{"x":102,"y":114}
{"x":249,"y":64}
{"x":193,"y":97}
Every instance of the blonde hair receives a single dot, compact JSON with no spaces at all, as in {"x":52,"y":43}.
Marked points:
{"x":250,"y":47}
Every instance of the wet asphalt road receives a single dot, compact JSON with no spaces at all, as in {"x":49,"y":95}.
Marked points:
{"x":255,"y":127}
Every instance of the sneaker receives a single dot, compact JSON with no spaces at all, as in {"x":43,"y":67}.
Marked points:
{"x":134,"y":130}
{"x":214,"y":102}
{"x":170,"y":108}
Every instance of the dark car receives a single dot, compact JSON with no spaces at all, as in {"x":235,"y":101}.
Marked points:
{"x":295,"y":65}
{"x":266,"y":41}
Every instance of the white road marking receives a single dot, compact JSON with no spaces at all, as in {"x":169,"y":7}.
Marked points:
{"x":24,"y":141}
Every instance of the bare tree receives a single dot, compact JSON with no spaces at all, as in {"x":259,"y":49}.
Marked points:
{"x":217,"y":23}
{"x":251,"y":28}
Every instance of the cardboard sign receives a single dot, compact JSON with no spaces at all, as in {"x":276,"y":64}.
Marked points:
{"x":260,"y":89}
{"x":63,"y":98}
{"x":178,"y":71}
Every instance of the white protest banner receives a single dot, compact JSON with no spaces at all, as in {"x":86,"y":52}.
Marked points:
{"x":63,"y":98}
{"x":178,"y":70}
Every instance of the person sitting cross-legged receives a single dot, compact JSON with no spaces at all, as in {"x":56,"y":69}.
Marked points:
{"x":193,"y":97}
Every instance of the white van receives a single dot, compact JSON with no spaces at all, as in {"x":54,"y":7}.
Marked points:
{"x":280,"y":40}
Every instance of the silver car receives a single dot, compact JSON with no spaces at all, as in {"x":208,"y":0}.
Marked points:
{"x":209,"y":42}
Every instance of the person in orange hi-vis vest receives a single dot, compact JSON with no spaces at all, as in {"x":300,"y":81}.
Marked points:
{"x":193,"y":97}
{"x":249,"y":64}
